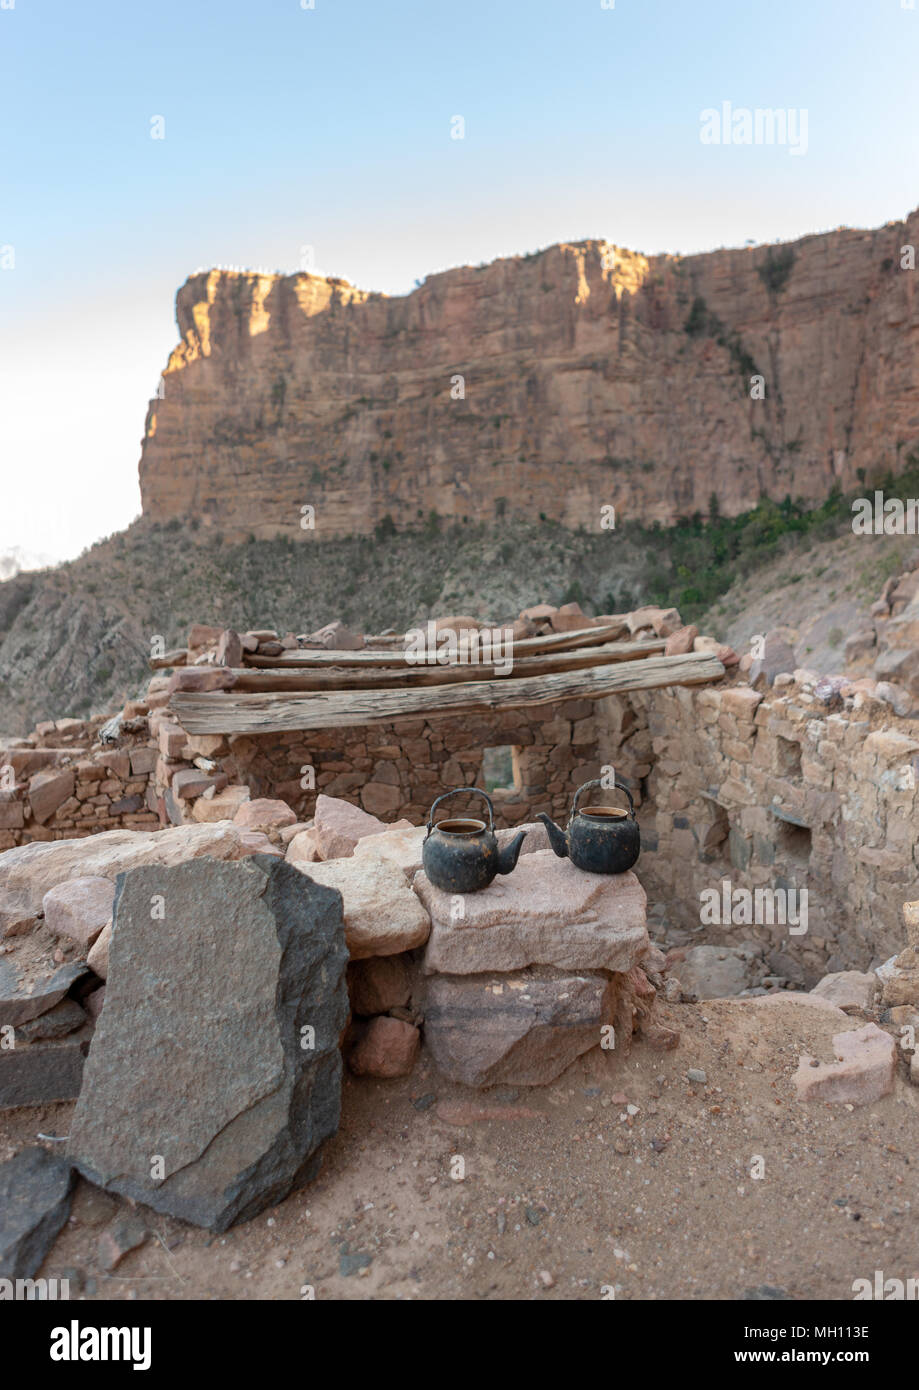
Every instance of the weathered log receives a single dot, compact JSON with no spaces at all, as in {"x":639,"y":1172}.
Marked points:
{"x":524,"y":646}
{"x":394,"y":678}
{"x":240,"y":713}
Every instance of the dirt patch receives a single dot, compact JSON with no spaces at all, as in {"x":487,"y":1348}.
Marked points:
{"x":624,"y":1175}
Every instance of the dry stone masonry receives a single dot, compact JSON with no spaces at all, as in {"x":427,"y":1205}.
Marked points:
{"x":195,"y":973}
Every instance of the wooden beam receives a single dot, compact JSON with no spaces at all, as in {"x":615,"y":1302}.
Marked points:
{"x":231,"y":713}
{"x":391,"y":678}
{"x":524,"y":646}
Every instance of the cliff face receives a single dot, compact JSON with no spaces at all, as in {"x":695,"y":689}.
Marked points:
{"x":592,"y":376}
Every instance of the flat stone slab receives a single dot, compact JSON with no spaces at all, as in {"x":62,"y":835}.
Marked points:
{"x":400,"y":847}
{"x":31,"y":870}
{"x":215,"y":1072}
{"x":521,"y":1029}
{"x":36,"y":1190}
{"x":27,"y":990}
{"x":546,"y":912}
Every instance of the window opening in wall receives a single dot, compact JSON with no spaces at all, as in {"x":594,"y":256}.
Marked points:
{"x":793,"y":842}
{"x":499,"y":769}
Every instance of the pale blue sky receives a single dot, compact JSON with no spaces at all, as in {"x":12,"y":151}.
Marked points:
{"x":287,"y":127}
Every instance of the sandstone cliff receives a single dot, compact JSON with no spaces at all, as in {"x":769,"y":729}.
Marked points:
{"x":592,"y":376}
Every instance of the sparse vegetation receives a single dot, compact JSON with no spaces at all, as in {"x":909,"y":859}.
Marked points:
{"x":158,"y":579}
{"x":776,"y":268}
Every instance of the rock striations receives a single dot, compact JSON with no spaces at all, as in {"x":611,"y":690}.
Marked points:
{"x":551,"y":383}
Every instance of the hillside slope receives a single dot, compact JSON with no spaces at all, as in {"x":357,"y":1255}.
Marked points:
{"x":75,"y":640}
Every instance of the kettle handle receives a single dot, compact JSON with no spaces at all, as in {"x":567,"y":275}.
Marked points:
{"x":456,"y":790}
{"x":598,"y":782}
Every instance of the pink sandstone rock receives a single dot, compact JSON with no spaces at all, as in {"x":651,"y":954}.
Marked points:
{"x":221,"y":806}
{"x":569,"y":618}
{"x":97,"y":959}
{"x":303,"y":849}
{"x":79,"y":908}
{"x":200,"y":678}
{"x":336,"y":637}
{"x":741,"y":700}
{"x":191,"y":782}
{"x":264,"y":814}
{"x":31,"y":870}
{"x":257,"y":842}
{"x":849,"y":990}
{"x":457,"y":623}
{"x":899,"y":978}
{"x":203,"y":635}
{"x":18,"y":916}
{"x":664,"y":621}
{"x":864,"y":1071}
{"x":49,"y":790}
{"x":382,"y":915}
{"x":388,"y":1047}
{"x":614,"y":620}
{"x":546,"y":912}
{"x":229,"y":649}
{"x":401,"y":847}
{"x":539,"y":613}
{"x":171,"y":740}
{"x":380,"y":983}
{"x":681,"y":641}
{"x":339,"y":826}
{"x":519,"y":1029}
{"x":143,"y":760}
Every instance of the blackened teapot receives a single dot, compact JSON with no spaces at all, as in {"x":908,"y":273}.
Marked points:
{"x":461,"y":855}
{"x":599,"y":839}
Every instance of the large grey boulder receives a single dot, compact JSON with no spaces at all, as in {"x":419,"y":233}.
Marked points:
{"x":205,"y":1094}
{"x":36,"y":1190}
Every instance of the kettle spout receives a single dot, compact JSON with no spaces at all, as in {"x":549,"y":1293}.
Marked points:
{"x":507,"y":859}
{"x":557,"y":838}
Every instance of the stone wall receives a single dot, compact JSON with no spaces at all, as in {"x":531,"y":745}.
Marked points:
{"x":398,"y":769}
{"x":781,"y":792}
{"x":778,"y":791}
{"x":60,"y":783}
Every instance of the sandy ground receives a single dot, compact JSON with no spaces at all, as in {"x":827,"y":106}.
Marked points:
{"x":565,"y":1193}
